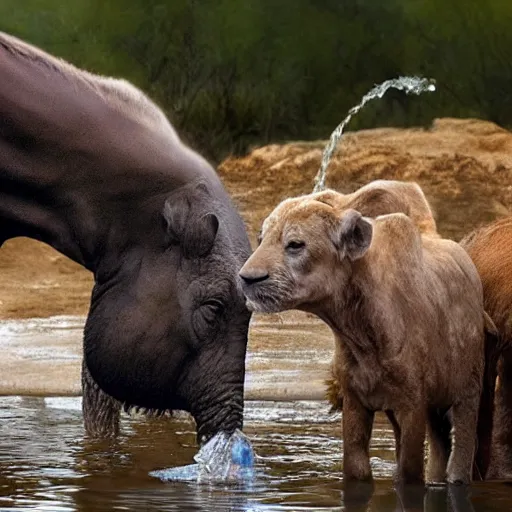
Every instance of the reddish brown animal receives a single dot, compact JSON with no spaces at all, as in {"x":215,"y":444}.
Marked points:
{"x":407,"y":313}
{"x":490,"y":249}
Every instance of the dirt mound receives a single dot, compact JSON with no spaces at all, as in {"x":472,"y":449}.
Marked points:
{"x":463,"y":165}
{"x":37,"y":281}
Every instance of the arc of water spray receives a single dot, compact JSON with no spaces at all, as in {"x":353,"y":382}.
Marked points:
{"x":409,"y":84}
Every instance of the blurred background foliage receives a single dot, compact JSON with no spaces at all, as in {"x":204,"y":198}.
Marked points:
{"x":231,"y":74}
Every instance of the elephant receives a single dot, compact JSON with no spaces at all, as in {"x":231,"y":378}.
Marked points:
{"x":92,"y":167}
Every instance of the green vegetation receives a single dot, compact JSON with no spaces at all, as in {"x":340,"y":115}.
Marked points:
{"x":235,"y":73}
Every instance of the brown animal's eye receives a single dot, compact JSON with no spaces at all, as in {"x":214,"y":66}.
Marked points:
{"x":295,"y":246}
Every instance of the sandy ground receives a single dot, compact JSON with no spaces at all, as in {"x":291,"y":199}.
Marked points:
{"x":464,"y":167}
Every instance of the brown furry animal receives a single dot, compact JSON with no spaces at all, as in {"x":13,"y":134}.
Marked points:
{"x":389,"y":196}
{"x":376,"y":198}
{"x":407,"y":313}
{"x":490,"y":250}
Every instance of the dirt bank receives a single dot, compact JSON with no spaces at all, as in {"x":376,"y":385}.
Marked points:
{"x":464,"y":167}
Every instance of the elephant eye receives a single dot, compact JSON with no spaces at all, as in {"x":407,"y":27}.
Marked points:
{"x":207,"y":318}
{"x":212,"y":309}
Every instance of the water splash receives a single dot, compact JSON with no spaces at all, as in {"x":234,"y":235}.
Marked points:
{"x":222,"y":459}
{"x":409,"y":84}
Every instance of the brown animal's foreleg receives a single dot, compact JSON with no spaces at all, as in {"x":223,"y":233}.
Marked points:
{"x":501,"y":458}
{"x":412,"y":441}
{"x":464,"y":420}
{"x":357,"y":431}
{"x":439,"y":446}
{"x":101,"y":412}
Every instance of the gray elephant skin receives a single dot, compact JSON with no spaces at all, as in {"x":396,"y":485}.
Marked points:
{"x":92,"y":167}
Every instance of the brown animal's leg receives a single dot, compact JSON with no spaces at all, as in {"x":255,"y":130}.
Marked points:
{"x":486,"y":411}
{"x":439,"y":447}
{"x":464,"y":420}
{"x":101,"y":412}
{"x":357,"y":495}
{"x":396,"y":431}
{"x":459,"y":499}
{"x":412,"y":440}
{"x":501,"y":458}
{"x":357,"y":431}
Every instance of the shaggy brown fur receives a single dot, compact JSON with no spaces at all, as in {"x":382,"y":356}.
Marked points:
{"x":407,"y":313}
{"x":490,"y":250}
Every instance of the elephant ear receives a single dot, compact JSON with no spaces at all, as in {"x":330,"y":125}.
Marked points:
{"x":189,"y":223}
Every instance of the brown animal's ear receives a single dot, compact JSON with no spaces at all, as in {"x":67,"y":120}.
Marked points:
{"x":355,"y":234}
{"x":188,"y":225}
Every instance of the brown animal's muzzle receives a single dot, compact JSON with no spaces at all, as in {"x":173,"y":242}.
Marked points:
{"x":251,"y":279}
{"x":264,"y":292}
{"x":252,"y":276}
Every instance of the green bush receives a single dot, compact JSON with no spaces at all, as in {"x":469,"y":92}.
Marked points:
{"x":234,"y":73}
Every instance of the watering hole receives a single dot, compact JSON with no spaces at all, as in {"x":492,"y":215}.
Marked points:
{"x":46,"y":463}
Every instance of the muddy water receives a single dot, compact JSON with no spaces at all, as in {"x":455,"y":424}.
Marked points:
{"x":46,"y":463}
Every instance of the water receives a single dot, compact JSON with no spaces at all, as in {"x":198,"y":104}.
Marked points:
{"x":222,"y":459}
{"x":408,"y":84}
{"x":47,"y":464}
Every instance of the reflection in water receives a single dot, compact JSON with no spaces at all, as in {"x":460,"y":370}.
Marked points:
{"x":46,"y":463}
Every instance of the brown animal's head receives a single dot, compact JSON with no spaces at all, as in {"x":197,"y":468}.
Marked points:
{"x":307,"y":247}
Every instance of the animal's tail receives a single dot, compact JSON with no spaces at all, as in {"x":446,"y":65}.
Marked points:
{"x":486,"y":409}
